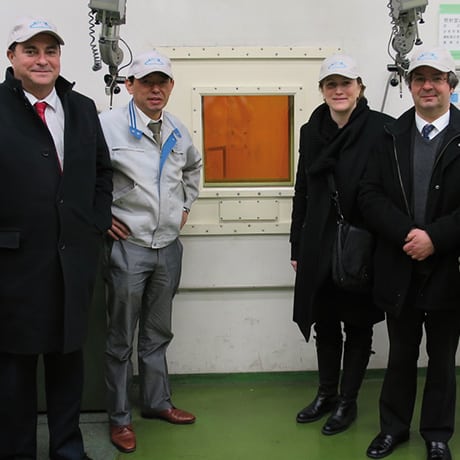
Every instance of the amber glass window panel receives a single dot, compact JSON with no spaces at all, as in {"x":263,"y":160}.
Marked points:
{"x":247,"y":139}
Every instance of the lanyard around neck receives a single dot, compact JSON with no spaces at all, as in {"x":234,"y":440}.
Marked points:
{"x":167,"y":147}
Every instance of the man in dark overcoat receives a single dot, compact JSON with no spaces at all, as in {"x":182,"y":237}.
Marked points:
{"x":55,"y":206}
{"x":411,"y":198}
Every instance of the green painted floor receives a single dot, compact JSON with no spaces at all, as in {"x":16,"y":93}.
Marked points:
{"x":249,"y":417}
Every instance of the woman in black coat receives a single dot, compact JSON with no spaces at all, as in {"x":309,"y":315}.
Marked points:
{"x":336,"y":140}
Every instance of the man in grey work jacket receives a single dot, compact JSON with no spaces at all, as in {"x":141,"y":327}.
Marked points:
{"x":156,"y":180}
{"x":410,"y":197}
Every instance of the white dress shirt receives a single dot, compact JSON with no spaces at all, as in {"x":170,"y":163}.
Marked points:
{"x":54,"y":115}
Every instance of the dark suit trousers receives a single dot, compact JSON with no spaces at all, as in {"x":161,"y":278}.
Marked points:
{"x":18,"y":405}
{"x":398,"y":393}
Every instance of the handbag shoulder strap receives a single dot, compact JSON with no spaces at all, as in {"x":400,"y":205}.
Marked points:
{"x":335,"y":195}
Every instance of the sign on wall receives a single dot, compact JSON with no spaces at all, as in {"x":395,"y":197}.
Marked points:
{"x":449,"y":28}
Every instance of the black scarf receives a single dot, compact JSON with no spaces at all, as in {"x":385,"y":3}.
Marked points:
{"x":327,"y":140}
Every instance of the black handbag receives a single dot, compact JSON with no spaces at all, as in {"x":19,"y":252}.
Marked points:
{"x":352,"y":252}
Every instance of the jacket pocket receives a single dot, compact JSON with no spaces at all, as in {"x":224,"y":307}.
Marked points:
{"x":122,"y":184}
{"x":9,"y":239}
{"x":123,"y":148}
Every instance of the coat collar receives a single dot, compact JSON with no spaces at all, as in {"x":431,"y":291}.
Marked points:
{"x":406,"y":121}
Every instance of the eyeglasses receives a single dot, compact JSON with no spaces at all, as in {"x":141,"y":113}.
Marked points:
{"x":419,"y":80}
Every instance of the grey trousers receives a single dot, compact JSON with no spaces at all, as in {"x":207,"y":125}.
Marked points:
{"x":140,"y":285}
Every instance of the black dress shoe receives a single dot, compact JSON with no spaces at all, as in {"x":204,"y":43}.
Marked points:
{"x":384,"y":444}
{"x":320,"y":406}
{"x":341,"y":418}
{"x":438,"y":450}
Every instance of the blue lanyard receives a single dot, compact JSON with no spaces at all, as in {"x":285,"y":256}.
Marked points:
{"x":137,"y":133}
{"x":168,"y":146}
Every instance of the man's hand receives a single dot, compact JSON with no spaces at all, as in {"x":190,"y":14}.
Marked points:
{"x":118,"y":230}
{"x":294,"y":264}
{"x":184,"y":218}
{"x":418,"y":244}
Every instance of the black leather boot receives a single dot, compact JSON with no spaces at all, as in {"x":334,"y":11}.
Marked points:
{"x":319,"y":407}
{"x":329,"y":359}
{"x":343,"y":415}
{"x":355,"y":361}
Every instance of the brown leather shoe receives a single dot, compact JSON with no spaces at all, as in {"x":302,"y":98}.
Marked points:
{"x":123,"y":438}
{"x":172,"y":415}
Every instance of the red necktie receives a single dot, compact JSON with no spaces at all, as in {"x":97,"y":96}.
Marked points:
{"x":40,"y":108}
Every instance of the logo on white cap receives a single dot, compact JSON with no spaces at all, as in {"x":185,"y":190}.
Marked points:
{"x":154,"y":61}
{"x":339,"y":65}
{"x":41,"y":25}
{"x":428,"y":56}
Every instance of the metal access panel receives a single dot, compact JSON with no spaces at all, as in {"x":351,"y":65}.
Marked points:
{"x":249,"y":210}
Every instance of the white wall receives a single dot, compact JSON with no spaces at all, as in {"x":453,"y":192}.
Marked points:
{"x":219,"y":328}
{"x":360,"y":27}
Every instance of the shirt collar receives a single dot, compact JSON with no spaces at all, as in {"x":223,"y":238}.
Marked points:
{"x":51,"y":99}
{"x":439,"y":124}
{"x":144,"y":118}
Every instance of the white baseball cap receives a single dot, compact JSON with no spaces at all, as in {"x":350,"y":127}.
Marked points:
{"x":438,"y":58}
{"x":339,"y":64}
{"x":151,"y":61}
{"x":27,"y":27}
